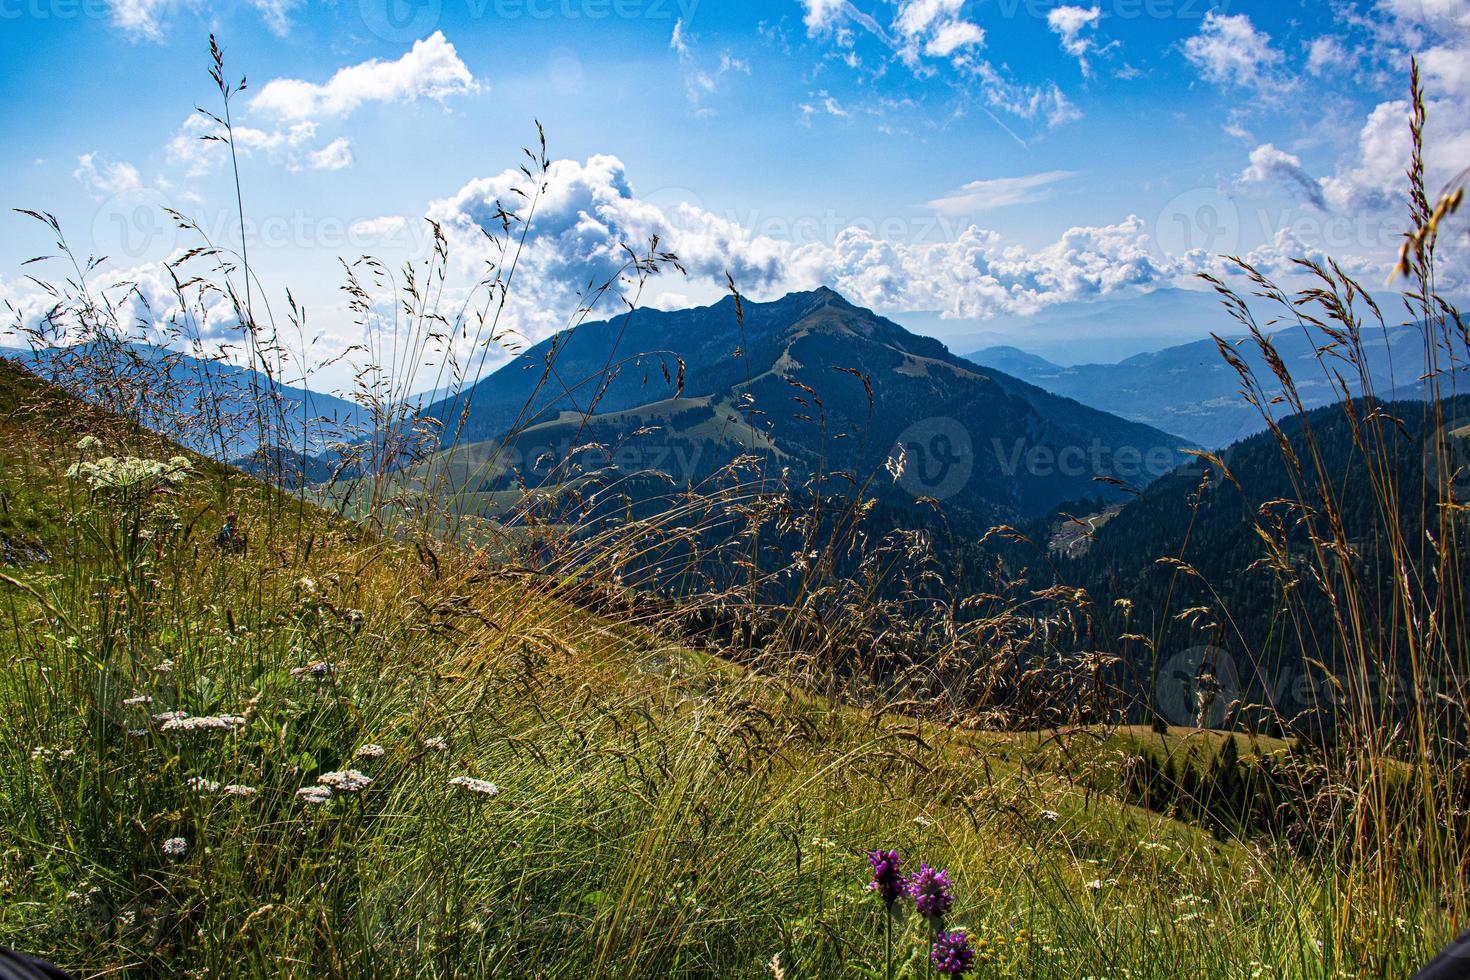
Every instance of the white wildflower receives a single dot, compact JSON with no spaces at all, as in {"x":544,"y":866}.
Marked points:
{"x":471,"y":785}
{"x":201,"y":785}
{"x":1051,"y":815}
{"x":168,"y":716}
{"x":436,"y":743}
{"x":346,"y":781}
{"x":175,"y":846}
{"x":214,"y":723}
{"x":235,"y":789}
{"x":133,"y":702}
{"x":314,"y":794}
{"x":372,"y":750}
{"x":164,"y":667}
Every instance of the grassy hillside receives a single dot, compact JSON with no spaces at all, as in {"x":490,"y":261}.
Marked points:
{"x":169,"y":712}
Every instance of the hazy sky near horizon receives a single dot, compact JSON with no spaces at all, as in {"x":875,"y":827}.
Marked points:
{"x":975,"y":158}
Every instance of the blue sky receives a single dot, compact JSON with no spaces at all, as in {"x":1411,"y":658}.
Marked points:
{"x":981,"y":159}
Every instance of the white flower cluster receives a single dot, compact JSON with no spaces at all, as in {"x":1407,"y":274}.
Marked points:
{"x":175,"y":846}
{"x":471,"y":785}
{"x":347,"y":781}
{"x":208,"y":723}
{"x":371,"y":751}
{"x":201,"y":785}
{"x":130,"y":472}
{"x":315,"y":795}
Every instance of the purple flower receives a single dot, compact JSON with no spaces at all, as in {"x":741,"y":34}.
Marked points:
{"x":930,"y":890}
{"x":887,"y":877}
{"x":952,"y":953}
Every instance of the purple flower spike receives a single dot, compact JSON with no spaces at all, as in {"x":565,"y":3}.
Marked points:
{"x":930,"y":890}
{"x":887,"y":877}
{"x":952,"y":954}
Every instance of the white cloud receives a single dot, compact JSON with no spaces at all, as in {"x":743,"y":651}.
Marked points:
{"x":432,"y":69}
{"x":1270,"y":165}
{"x":334,"y":156}
{"x":145,"y":18}
{"x":1228,"y":50}
{"x":107,"y":179}
{"x":699,"y":84}
{"x":195,"y":148}
{"x":1033,"y":102}
{"x":1326,"y":53}
{"x":953,"y":35}
{"x":936,"y":28}
{"x":590,"y":208}
{"x":385,"y":228}
{"x":1000,"y":192}
{"x":822,"y":14}
{"x":823,"y":103}
{"x":1072,"y":25}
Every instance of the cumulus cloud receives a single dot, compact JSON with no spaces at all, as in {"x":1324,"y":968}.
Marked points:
{"x":107,"y":179}
{"x":293,"y":109}
{"x":334,"y":156}
{"x":197,"y":148}
{"x":1270,"y":165}
{"x":1326,"y":53}
{"x":431,"y":69}
{"x":1229,"y":51}
{"x":999,"y":192}
{"x":936,"y":28}
{"x":589,"y":209}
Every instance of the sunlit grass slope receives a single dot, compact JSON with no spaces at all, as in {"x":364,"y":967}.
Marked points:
{"x":335,"y":755}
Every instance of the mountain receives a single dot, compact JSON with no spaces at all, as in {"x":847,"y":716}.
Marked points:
{"x":1191,"y":390}
{"x":208,"y":404}
{"x":1103,"y":330}
{"x":812,"y":382}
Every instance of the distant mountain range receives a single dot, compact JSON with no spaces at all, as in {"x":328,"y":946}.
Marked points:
{"x":811,"y":382}
{"x":208,"y":404}
{"x":1192,"y":391}
{"x":1100,"y":330}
